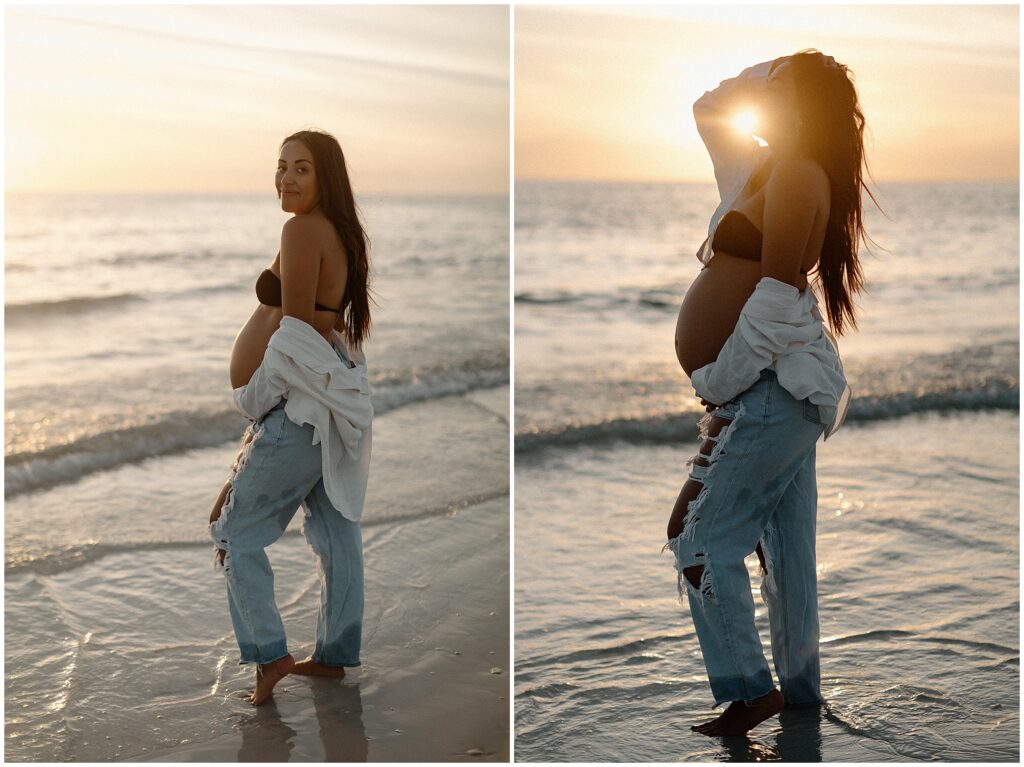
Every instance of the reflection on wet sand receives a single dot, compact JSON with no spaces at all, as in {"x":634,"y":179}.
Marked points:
{"x":339,"y":712}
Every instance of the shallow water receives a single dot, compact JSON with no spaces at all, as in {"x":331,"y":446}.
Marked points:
{"x":601,"y":270}
{"x":103,"y":668}
{"x":121,"y":311}
{"x":918,"y":600}
{"x":120,"y":432}
{"x":918,"y":492}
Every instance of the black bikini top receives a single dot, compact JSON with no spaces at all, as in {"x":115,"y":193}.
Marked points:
{"x":737,"y":236}
{"x":268,"y":291}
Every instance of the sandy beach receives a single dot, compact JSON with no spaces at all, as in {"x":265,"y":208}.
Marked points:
{"x":120,"y":435}
{"x":917,"y":662}
{"x":130,"y":656}
{"x":435,"y":683}
{"x":917,"y":528}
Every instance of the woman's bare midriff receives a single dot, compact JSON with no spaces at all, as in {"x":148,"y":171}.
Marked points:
{"x":254,"y":337}
{"x":711,"y":308}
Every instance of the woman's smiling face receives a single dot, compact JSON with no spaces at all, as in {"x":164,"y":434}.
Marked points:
{"x":296,"y":178}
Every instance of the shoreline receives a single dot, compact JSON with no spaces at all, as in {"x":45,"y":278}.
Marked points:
{"x":129,"y":655}
{"x":425,"y":691}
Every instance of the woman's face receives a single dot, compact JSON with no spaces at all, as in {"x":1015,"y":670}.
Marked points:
{"x":296,"y":178}
{"x":779,"y":111}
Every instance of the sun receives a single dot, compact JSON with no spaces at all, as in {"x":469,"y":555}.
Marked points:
{"x":745,"y":121}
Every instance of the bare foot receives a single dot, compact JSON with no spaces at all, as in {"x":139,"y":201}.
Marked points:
{"x":269,"y":674}
{"x":309,"y":667}
{"x":739,"y":718}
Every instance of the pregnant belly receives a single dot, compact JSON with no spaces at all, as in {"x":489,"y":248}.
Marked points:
{"x":251,"y":343}
{"x":711,"y":308}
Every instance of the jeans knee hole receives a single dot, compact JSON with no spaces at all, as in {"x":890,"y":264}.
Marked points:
{"x":699,"y":578}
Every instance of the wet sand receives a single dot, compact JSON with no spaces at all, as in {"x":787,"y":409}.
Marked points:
{"x":126,"y":653}
{"x":434,"y":685}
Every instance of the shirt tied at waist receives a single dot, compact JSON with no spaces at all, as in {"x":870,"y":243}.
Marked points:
{"x":322,"y":390}
{"x":780,"y":327}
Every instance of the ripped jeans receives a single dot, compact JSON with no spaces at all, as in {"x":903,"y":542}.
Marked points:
{"x":278,"y":469}
{"x":759,"y":487}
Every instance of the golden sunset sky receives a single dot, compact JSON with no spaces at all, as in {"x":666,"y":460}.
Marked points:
{"x":197,"y":98}
{"x":606,"y":93}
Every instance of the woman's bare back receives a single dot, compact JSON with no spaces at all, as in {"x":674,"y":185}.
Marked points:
{"x":252,"y":340}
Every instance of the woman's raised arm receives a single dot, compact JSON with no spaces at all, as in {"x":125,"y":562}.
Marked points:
{"x":733,"y":153}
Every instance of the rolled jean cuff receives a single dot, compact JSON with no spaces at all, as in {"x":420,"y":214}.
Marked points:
{"x":263,"y":655}
{"x":806,"y":703}
{"x":728,"y":689}
{"x":319,"y":660}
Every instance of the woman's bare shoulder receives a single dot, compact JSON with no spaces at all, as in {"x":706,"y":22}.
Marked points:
{"x":800,"y":168}
{"x":304,"y":226}
{"x":311,"y":233}
{"x":800,"y":178}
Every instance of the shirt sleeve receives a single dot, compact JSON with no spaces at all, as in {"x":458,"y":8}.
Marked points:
{"x":732,"y":153}
{"x":264,"y":390}
{"x":775,"y":320}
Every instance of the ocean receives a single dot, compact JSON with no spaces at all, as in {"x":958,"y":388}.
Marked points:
{"x":918,"y":523}
{"x":120,"y":430}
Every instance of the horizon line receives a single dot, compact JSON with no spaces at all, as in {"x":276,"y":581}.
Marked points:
{"x":241,"y":193}
{"x":711,"y":182}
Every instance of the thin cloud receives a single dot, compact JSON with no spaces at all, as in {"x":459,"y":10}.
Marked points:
{"x":374,"y":67}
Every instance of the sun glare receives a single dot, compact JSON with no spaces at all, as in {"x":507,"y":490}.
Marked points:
{"x":745,"y":121}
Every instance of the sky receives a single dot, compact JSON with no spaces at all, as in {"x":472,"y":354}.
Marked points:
{"x":197,"y":99}
{"x":606,"y":93}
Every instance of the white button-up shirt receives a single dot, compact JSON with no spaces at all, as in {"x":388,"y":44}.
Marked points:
{"x":780,"y":327}
{"x":323,"y":390}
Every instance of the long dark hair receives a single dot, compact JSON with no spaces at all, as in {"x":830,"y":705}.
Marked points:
{"x":832,"y":133}
{"x":339,"y":206}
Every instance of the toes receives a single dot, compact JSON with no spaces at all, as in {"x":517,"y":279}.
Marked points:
{"x":721,"y":730}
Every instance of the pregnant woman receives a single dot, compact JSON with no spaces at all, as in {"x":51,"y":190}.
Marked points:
{"x":755,"y":346}
{"x":298,"y":373}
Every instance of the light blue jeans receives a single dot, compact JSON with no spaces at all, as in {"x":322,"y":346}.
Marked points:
{"x":759,"y":486}
{"x":278,"y":469}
